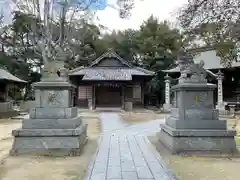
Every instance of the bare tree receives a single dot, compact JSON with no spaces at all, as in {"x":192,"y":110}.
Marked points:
{"x":203,"y":11}
{"x":1,"y":19}
{"x":1,"y":31}
{"x":56,"y":22}
{"x":218,"y":19}
{"x":4,"y":31}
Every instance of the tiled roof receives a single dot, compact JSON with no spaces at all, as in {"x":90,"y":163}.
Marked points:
{"x":5,"y":75}
{"x":118,"y":73}
{"x":111,"y":73}
{"x":111,"y":54}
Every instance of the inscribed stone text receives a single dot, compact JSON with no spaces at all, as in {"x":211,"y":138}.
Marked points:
{"x":53,"y":98}
{"x":201,"y":98}
{"x":197,"y":101}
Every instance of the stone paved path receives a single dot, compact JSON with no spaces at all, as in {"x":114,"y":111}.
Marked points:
{"x":125,"y":153}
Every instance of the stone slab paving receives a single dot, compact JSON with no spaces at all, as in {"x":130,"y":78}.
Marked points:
{"x":125,"y":152}
{"x":111,"y":121}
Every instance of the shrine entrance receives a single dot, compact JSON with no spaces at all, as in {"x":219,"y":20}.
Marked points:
{"x":110,"y":82}
{"x":108,"y":96}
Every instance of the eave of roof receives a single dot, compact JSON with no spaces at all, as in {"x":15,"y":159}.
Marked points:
{"x":5,"y":75}
{"x":177,"y":69}
{"x":110,"y":53}
{"x":211,"y":60}
{"x":173,"y":70}
{"x":90,"y":73}
{"x":110,"y":73}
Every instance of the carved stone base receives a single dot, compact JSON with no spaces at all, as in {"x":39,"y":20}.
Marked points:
{"x":54,"y":142}
{"x":53,"y":113}
{"x":220,"y":106}
{"x":166,"y":107}
{"x":221,"y":109}
{"x":196,"y":124}
{"x":195,"y":141}
{"x":51,"y":123}
{"x":54,"y":127}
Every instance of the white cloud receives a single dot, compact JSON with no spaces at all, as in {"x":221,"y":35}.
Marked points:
{"x":162,"y":9}
{"x":110,"y":17}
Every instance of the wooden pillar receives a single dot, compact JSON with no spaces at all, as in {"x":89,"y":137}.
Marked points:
{"x":6,"y":92}
{"x":77,"y":95}
{"x":142,"y":92}
{"x":94,"y":96}
{"x":71,"y":97}
{"x":123,"y":96}
{"x":129,"y":98}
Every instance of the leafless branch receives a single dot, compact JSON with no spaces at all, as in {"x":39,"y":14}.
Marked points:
{"x":53,"y":30}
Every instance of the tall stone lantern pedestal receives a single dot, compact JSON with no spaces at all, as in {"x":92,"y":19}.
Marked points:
{"x":194,"y":125}
{"x":167,"y":105}
{"x":53,"y":127}
{"x":220,"y":103}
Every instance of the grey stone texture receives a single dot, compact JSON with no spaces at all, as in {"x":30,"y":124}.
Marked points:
{"x":222,"y":110}
{"x":53,"y":127}
{"x":193,"y":124}
{"x":166,"y":108}
{"x":128,"y":106}
{"x":125,"y":152}
{"x":51,"y":123}
{"x":53,"y":113}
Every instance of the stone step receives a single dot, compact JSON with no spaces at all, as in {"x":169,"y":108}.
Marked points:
{"x":20,"y":117}
{"x":23,"y":113}
{"x":109,"y":110}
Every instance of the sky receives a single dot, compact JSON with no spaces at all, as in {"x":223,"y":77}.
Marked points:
{"x":162,"y":9}
{"x":109,"y":17}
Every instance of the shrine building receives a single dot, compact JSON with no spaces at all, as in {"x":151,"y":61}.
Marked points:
{"x":110,"y":81}
{"x":7,"y":80}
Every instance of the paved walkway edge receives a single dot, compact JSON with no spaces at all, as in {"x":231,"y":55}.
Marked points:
{"x":160,"y":160}
{"x":92,"y":161}
{"x":126,"y":153}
